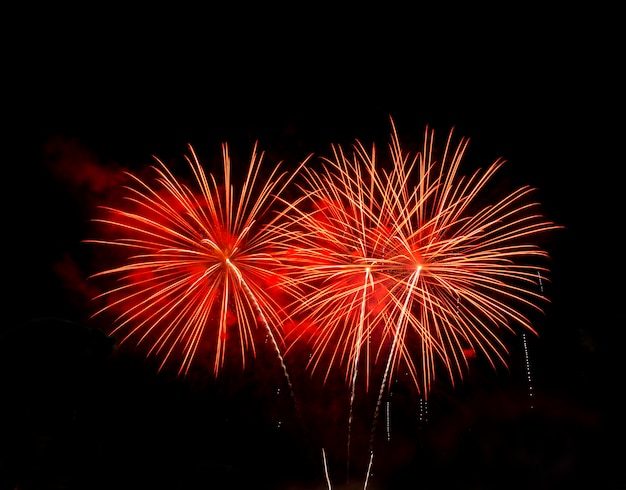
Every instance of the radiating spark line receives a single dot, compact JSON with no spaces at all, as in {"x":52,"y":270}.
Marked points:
{"x":369,"y":471}
{"x":326,"y":470}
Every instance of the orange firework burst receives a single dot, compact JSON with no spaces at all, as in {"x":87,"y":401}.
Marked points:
{"x":404,"y":268}
{"x":198,"y":268}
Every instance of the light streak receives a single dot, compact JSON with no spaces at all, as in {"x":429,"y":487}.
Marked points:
{"x":326,"y":470}
{"x":369,"y":471}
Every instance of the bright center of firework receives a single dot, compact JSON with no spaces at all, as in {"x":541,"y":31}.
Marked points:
{"x":222,"y":251}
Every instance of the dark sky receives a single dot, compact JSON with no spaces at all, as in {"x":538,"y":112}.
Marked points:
{"x":113,"y":88}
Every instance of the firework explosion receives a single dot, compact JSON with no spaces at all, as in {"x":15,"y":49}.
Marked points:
{"x":378,"y":267}
{"x":198,"y":271}
{"x":403,"y":269}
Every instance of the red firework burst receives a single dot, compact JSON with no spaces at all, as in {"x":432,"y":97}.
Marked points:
{"x":198,"y":270}
{"x":405,"y":268}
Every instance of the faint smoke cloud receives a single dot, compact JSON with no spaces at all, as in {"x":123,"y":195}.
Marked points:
{"x":81,"y":172}
{"x":80,"y":175}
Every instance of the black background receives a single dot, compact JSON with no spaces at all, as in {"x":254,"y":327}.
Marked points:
{"x":539,"y":87}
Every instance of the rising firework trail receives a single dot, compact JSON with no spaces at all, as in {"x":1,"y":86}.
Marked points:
{"x":198,"y":271}
{"x":405,"y":268}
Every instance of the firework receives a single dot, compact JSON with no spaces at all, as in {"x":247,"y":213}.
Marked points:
{"x":404,"y":269}
{"x":197,"y":271}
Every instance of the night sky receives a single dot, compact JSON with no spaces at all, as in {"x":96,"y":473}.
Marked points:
{"x":93,"y":93}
